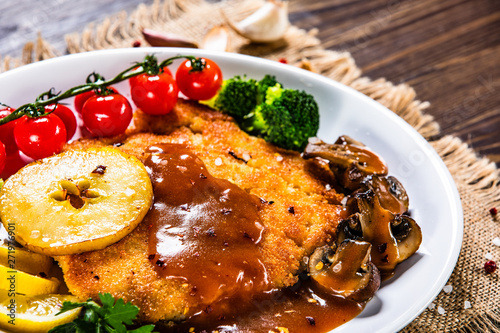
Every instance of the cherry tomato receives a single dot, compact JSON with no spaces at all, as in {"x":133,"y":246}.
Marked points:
{"x":80,"y":99}
{"x":67,"y":116}
{"x":6,"y":132}
{"x":107,"y":115}
{"x":154,"y":94}
{"x":133,"y":80}
{"x":40,"y":137}
{"x":83,"y":97}
{"x":13,"y":163}
{"x":199,"y":85}
{"x":3,"y":156}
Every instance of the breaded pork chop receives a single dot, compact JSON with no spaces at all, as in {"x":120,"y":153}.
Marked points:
{"x":300,"y":214}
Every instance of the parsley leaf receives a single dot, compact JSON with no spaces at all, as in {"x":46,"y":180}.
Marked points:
{"x":122,"y":314}
{"x":111,"y":317}
{"x":143,"y":329}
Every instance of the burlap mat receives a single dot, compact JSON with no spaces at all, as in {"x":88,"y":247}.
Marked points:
{"x":477,"y":178}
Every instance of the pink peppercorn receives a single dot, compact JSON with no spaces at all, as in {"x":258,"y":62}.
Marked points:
{"x":493,"y":211}
{"x":490,"y":266}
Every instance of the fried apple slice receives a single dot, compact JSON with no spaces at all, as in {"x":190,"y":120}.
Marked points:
{"x":77,"y":201}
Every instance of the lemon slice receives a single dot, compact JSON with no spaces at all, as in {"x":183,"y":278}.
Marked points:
{"x":34,"y":314}
{"x":77,"y":201}
{"x":23,"y":260}
{"x":26,"y":284}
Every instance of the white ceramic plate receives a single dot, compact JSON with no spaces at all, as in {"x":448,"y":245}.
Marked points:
{"x":434,"y":200}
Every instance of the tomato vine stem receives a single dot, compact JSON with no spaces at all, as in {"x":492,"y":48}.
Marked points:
{"x":94,"y":82}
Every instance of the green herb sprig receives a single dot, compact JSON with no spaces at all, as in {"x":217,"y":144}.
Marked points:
{"x":111,"y":317}
{"x":94,"y":82}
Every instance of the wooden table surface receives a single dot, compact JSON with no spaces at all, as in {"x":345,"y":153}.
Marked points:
{"x":448,"y":50}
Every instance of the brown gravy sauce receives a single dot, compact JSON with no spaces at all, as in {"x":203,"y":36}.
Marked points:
{"x":206,"y":231}
{"x":299,"y":309}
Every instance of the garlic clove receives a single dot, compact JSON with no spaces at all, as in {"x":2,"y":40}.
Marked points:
{"x":158,"y":38}
{"x":268,"y":24}
{"x":216,"y":39}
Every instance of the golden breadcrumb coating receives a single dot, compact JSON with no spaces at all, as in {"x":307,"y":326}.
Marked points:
{"x":303,"y":214}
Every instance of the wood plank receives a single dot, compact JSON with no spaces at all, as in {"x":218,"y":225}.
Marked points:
{"x":448,"y":50}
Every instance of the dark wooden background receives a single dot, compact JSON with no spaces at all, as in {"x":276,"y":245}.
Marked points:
{"x":448,"y":50}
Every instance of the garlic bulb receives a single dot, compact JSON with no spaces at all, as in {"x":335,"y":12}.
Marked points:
{"x":268,"y":24}
{"x":216,"y":39}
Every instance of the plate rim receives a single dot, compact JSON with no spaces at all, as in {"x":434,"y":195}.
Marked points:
{"x":437,"y":161}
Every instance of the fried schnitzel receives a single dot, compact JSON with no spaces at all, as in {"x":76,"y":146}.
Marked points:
{"x":298,"y":212}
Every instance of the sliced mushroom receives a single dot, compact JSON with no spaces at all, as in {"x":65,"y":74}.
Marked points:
{"x":376,"y":228}
{"x":390,"y":192}
{"x":350,"y":228}
{"x":408,"y":235}
{"x":320,"y":168}
{"x":346,"y":271}
{"x":376,"y":202}
{"x":350,"y":178}
{"x":394,"y":237}
{"x":347,"y":140}
{"x":346,"y":155}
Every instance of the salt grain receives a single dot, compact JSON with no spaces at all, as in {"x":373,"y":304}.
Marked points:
{"x":488,"y":256}
{"x":467,"y":305}
{"x":218,"y":161}
{"x":35,"y":234}
{"x":441,"y":310}
{"x":431,"y":306}
{"x":447,"y":289}
{"x":279,"y":158}
{"x":496,"y":241}
{"x":246,"y":156}
{"x":328,"y":187}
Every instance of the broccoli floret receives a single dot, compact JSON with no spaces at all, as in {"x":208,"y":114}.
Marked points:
{"x":284,"y":117}
{"x":237,"y":97}
{"x":287,"y":118}
{"x":267,"y":82}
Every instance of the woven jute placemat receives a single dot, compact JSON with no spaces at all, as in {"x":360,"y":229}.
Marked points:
{"x":473,"y":303}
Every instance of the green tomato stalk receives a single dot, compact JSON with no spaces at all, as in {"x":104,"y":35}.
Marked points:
{"x":97,"y":83}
